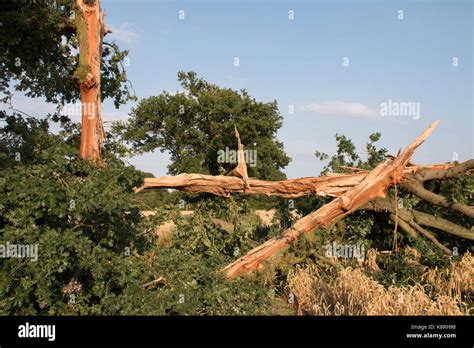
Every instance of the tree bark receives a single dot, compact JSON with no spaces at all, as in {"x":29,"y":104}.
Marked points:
{"x":358,"y":190}
{"x":425,"y":174}
{"x":373,"y":185}
{"x":442,"y":224}
{"x":332,"y":184}
{"x":414,"y":216}
{"x":90,"y":29}
{"x":418,"y":189}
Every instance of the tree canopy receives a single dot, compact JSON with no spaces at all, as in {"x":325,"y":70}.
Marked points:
{"x":39,"y":53}
{"x":101,"y":249}
{"x":196,"y":124}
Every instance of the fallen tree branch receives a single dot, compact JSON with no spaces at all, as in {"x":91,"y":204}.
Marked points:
{"x":220,"y":185}
{"x":425,"y":174}
{"x":404,"y":225}
{"x":412,"y":229}
{"x":332,"y":185}
{"x":418,"y":189}
{"x":430,"y":237}
{"x":353,"y":191}
{"x":442,"y":224}
{"x":415,"y":216}
{"x":373,"y":185}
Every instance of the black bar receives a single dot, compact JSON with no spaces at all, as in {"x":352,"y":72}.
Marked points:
{"x":242,"y":330}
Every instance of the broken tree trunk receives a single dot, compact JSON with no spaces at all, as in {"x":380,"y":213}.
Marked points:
{"x":90,"y":29}
{"x":374,"y":184}
{"x":333,"y":184}
{"x":359,"y":190}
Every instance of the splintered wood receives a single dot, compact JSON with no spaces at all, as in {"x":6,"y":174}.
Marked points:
{"x":241,"y":169}
{"x":332,"y":185}
{"x":352,"y":191}
{"x":90,"y":30}
{"x":374,"y":184}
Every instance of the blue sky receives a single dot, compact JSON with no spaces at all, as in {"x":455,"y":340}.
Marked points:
{"x":299,"y":62}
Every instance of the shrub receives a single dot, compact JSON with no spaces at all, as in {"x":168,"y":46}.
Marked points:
{"x":96,"y":253}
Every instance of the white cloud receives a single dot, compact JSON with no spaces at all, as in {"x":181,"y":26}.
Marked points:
{"x":341,"y":108}
{"x":123,"y":33}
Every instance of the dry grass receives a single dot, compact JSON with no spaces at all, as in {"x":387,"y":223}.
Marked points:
{"x":371,"y":262}
{"x":456,"y":282}
{"x":165,"y":233}
{"x":352,"y":292}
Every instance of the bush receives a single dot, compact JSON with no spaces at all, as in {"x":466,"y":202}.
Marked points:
{"x":96,"y":254}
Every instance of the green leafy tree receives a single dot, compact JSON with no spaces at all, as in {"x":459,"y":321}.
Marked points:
{"x":195,"y":125}
{"x":96,"y":253}
{"x":347,"y":155}
{"x":39,"y":53}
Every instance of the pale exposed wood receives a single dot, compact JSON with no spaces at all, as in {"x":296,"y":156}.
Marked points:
{"x":352,"y":191}
{"x":241,"y":169}
{"x":333,"y":184}
{"x":374,"y":184}
{"x":90,"y":30}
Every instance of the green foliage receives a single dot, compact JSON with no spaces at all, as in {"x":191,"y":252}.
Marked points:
{"x":347,"y":156}
{"x":96,"y":254}
{"x":191,"y":264}
{"x":194,"y":125}
{"x":377,"y":231}
{"x":38,"y":54}
{"x":80,"y":217}
{"x":362,"y":226}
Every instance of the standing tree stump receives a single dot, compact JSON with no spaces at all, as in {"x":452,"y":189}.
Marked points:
{"x":90,"y":30}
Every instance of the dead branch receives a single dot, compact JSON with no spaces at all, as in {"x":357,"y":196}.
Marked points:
{"x":431,"y":237}
{"x":442,"y":224}
{"x":414,"y":216}
{"x":241,"y":169}
{"x":220,"y":185}
{"x":425,"y":174}
{"x":405,"y":226}
{"x":418,"y":189}
{"x":359,"y":190}
{"x":332,"y":185}
{"x":373,"y":185}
